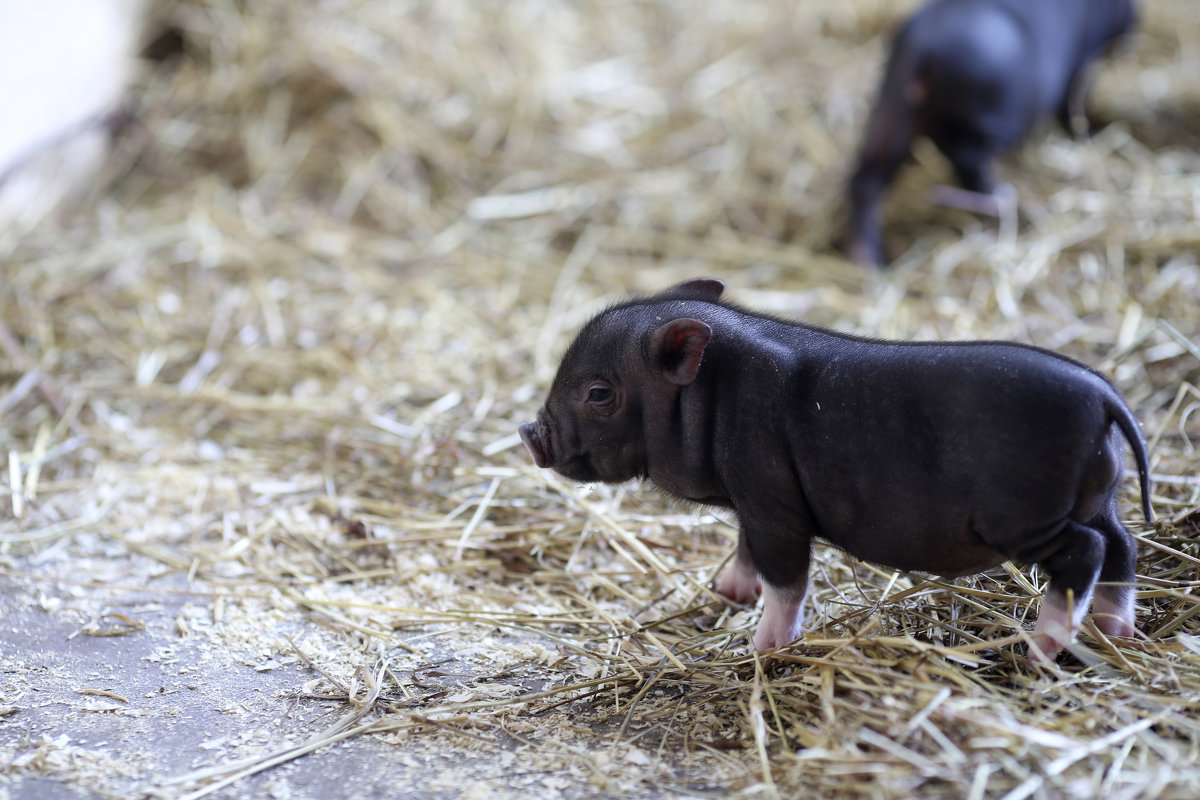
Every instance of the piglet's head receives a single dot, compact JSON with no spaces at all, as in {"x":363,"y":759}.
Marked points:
{"x":625,"y":364}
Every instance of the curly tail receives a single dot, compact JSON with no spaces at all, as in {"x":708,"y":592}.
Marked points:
{"x":1128,"y":424}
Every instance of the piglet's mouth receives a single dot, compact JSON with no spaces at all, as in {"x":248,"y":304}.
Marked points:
{"x":537,"y":448}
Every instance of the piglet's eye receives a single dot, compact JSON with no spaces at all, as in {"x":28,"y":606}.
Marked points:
{"x":599,"y":394}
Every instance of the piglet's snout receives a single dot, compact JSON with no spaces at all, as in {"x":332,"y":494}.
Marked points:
{"x":536,"y":445}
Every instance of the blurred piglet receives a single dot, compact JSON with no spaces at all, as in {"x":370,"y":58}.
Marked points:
{"x":64,"y":66}
{"x":974,"y":76}
{"x":941,"y":457}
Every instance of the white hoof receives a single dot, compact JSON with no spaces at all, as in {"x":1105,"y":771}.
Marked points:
{"x":738,"y":582}
{"x":782,"y":619}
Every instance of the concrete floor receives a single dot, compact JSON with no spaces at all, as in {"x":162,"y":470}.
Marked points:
{"x":188,"y":706}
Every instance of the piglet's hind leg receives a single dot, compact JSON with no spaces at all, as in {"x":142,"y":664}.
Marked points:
{"x":885,"y":148}
{"x":1000,"y":202}
{"x":1073,"y":566}
{"x":972,"y":157}
{"x":1059,"y":619}
{"x":1113,"y":609}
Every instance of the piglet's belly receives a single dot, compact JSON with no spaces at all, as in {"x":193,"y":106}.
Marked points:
{"x":947,"y":555}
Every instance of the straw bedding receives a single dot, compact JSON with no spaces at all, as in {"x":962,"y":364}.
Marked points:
{"x":282,"y":349}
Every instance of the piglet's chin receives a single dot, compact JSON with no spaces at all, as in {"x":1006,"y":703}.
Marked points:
{"x":529,"y":436}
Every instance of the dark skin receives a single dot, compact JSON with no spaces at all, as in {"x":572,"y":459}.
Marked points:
{"x":975,"y":76}
{"x":942,"y":457}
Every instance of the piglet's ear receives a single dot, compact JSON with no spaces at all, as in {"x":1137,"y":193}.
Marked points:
{"x":677,"y":348}
{"x":705,"y":288}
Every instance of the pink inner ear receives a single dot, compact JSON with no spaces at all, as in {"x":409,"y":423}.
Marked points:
{"x":677,"y":341}
{"x":679,"y":346}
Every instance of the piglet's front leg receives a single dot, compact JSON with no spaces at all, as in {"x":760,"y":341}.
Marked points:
{"x":782,"y":618}
{"x":782,"y":561}
{"x":739,"y":581}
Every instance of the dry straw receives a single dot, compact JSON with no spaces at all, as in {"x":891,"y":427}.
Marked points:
{"x":283,"y":350}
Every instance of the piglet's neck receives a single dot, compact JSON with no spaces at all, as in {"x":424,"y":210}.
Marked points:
{"x":694,"y":433}
{"x":679,"y":444}
{"x":678,"y":422}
